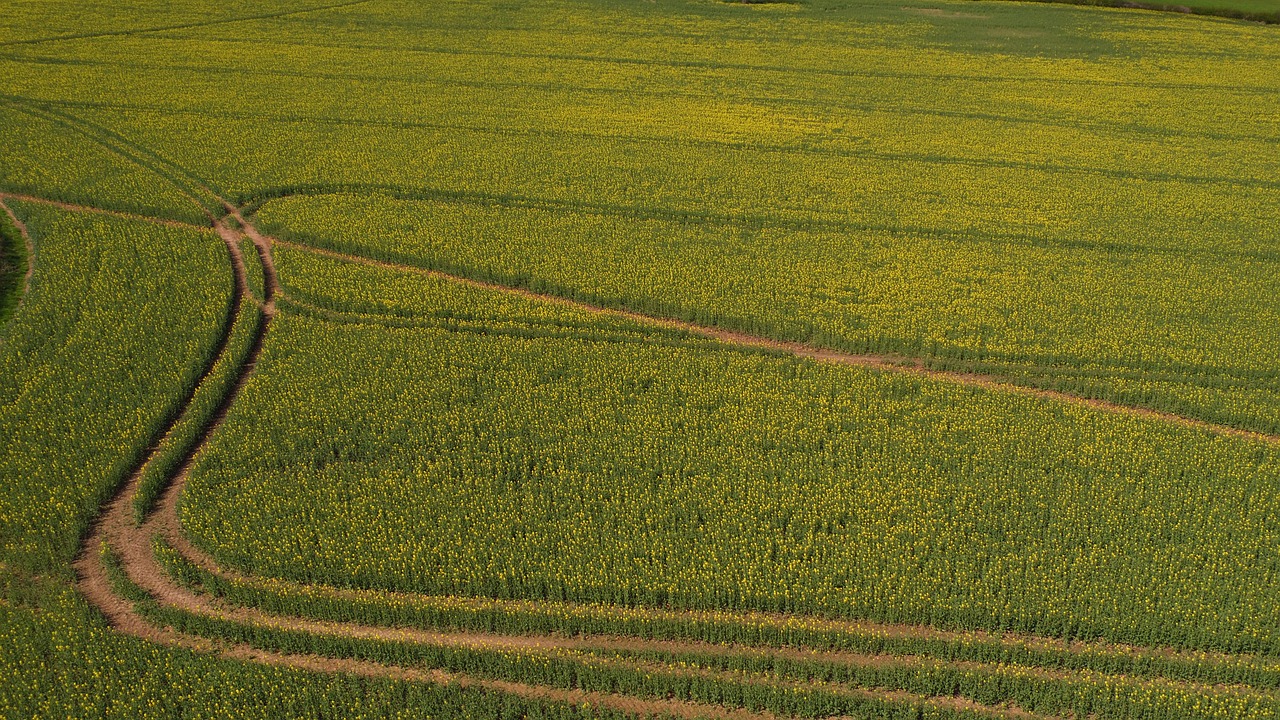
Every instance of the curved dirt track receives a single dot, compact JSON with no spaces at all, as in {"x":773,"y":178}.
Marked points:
{"x":115,"y":529}
{"x":26,"y":239}
{"x":132,"y":543}
{"x":882,"y":362}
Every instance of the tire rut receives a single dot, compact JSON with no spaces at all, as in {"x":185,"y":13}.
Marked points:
{"x":882,"y":362}
{"x":116,"y":530}
{"x":26,"y":239}
{"x":132,"y":544}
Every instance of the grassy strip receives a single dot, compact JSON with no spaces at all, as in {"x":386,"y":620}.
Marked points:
{"x":118,"y":579}
{"x":985,"y":361}
{"x":252,"y":264}
{"x":186,"y":433}
{"x":524,"y":618}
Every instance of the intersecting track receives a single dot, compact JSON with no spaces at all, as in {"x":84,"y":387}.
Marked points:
{"x":115,"y":530}
{"x":133,"y":544}
{"x":882,"y":362}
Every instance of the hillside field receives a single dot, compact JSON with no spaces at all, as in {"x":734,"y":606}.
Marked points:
{"x":663,"y":359}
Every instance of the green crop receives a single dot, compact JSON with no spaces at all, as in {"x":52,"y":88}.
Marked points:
{"x":122,"y":317}
{"x":1060,"y":198}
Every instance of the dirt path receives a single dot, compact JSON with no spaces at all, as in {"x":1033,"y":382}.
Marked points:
{"x":133,"y":546}
{"x":884,"y":362}
{"x":26,"y":239}
{"x":115,"y":529}
{"x":270,"y":283}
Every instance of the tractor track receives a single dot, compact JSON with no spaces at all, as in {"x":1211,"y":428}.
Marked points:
{"x":133,"y":545}
{"x":116,"y":530}
{"x":31,"y":248}
{"x":883,"y":362}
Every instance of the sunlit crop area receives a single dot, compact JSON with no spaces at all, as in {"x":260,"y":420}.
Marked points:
{"x":679,"y":358}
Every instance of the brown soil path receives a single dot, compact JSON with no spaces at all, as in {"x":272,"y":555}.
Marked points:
{"x":115,"y":529}
{"x":133,"y":545}
{"x":883,"y":362}
{"x":26,"y":239}
{"x":270,"y":283}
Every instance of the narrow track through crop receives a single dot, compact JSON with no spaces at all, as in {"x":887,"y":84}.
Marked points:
{"x":26,"y":239}
{"x":116,"y":530}
{"x":882,"y":362}
{"x":134,"y":545}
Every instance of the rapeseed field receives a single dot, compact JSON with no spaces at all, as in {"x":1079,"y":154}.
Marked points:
{"x":602,"y":359}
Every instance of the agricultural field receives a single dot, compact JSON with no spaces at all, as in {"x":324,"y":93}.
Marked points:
{"x":663,"y":359}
